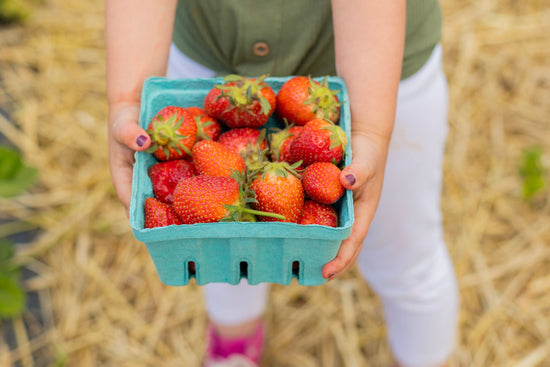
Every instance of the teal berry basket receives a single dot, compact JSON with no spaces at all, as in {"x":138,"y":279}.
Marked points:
{"x":226,"y":252}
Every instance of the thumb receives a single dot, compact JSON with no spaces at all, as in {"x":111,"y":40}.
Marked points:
{"x":127,"y":131}
{"x":354,"y":175}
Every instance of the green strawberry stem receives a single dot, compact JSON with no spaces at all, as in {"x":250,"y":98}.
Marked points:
{"x":264,"y":214}
{"x":164,"y":134}
{"x":338,"y":136}
{"x":246,"y":196}
{"x":240,"y":209}
{"x":321,"y":96}
{"x":201,"y":126}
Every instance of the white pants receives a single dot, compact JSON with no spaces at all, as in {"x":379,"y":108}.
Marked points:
{"x":404,"y":257}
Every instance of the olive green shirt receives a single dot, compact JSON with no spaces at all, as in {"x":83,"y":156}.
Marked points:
{"x":284,"y":37}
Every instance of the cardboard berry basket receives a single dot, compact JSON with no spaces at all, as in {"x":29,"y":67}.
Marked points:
{"x":273,"y":252}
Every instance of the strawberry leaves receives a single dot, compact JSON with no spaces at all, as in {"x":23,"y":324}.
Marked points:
{"x":242,"y":92}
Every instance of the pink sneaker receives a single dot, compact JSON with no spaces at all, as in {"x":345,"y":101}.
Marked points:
{"x":237,"y":352}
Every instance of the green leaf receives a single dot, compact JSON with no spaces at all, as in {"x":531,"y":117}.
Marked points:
{"x":13,"y":11}
{"x":60,"y":359}
{"x":152,"y":148}
{"x":532,"y":171}
{"x":166,"y":151}
{"x":10,"y":163}
{"x":532,"y":185}
{"x":15,"y":176}
{"x":224,"y":88}
{"x":310,"y":100}
{"x":266,"y":106}
{"x":25,"y":177}
{"x":12,"y":297}
{"x":6,"y":250}
{"x":7,"y":268}
{"x":233,"y":78}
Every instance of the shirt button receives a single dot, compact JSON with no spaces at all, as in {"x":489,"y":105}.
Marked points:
{"x":261,"y":49}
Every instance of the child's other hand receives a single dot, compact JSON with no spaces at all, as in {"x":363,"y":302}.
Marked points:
{"x":367,"y":169}
{"x":125,"y":137}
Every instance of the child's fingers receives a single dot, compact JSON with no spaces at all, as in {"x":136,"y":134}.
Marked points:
{"x":122,"y":181}
{"x":364,"y":176}
{"x":126,"y":130}
{"x":362,"y":167}
{"x":347,"y":254}
{"x":354,"y":175}
{"x":126,"y":136}
{"x":351,"y":246}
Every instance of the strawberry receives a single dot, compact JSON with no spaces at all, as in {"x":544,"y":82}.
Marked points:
{"x":207,"y":127}
{"x":238,"y":139}
{"x":302,"y":99}
{"x":279,"y":142}
{"x":173,"y":133}
{"x":321,"y":182}
{"x":201,"y":199}
{"x":207,"y":199}
{"x":322,"y":214}
{"x":250,"y":143}
{"x":319,"y":141}
{"x":214,"y":159}
{"x":241,"y":102}
{"x":279,"y":191}
{"x":166,"y":175}
{"x":159,"y":214}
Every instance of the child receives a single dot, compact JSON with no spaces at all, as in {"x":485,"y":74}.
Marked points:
{"x":387,"y":52}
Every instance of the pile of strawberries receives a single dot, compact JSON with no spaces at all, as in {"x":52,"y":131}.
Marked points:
{"x":219,"y":163}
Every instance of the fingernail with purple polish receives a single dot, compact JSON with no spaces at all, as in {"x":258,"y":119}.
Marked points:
{"x":141,"y":140}
{"x":351,"y":179}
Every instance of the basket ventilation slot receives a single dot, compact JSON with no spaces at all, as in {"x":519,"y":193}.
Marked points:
{"x":296,"y":269}
{"x":243,"y":267}
{"x":191,"y":269}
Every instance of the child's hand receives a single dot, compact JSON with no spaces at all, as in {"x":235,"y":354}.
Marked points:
{"x":367,"y":168}
{"x":125,"y":137}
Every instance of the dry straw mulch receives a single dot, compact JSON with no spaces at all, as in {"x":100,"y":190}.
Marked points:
{"x":101,"y":301}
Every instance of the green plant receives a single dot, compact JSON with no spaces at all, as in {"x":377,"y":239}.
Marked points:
{"x":12,"y":296}
{"x":15,"y":177}
{"x":532,"y":172}
{"x":12,"y":11}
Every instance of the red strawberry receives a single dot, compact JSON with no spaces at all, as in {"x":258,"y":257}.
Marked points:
{"x":207,"y":199}
{"x":238,"y":139}
{"x":173,"y":133}
{"x":315,"y":213}
{"x":159,"y":214}
{"x":250,"y":143}
{"x":214,"y":159}
{"x":241,"y":102}
{"x":279,"y":191}
{"x":207,"y":127}
{"x":321,"y":182}
{"x":166,"y":175}
{"x":302,"y":99}
{"x":319,"y":141}
{"x":201,"y":199}
{"x":279,"y":143}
